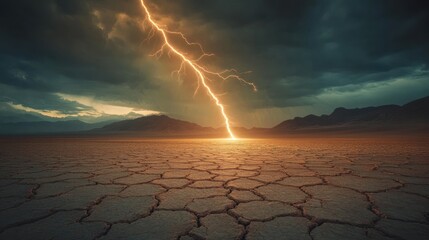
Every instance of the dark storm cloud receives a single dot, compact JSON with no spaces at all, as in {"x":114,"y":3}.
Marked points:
{"x":57,"y":46}
{"x":296,"y":50}
{"x":41,"y":100}
{"x":299,"y":48}
{"x":61,"y":36}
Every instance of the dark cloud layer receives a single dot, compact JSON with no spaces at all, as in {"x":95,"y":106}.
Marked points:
{"x":305,"y":56}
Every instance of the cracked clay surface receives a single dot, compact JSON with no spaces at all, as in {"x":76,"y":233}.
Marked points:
{"x":213,"y":189}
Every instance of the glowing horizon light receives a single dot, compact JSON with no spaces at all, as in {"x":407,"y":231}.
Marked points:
{"x":199,"y":70}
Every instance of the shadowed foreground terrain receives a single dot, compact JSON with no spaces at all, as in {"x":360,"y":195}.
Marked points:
{"x":317,"y":189}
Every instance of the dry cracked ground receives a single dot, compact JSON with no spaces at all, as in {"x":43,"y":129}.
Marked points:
{"x":214,"y":189}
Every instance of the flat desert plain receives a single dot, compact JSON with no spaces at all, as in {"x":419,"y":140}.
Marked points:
{"x":300,"y":188}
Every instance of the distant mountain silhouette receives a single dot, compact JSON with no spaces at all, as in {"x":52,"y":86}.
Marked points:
{"x":46,"y":127}
{"x":160,"y":124}
{"x":411,"y":115}
{"x":9,"y":118}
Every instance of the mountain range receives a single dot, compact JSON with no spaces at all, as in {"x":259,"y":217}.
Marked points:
{"x":413,"y":116}
{"x":47,"y":127}
{"x":155,"y":125}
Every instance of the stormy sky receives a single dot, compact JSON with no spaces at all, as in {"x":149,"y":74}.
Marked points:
{"x":90,"y":59}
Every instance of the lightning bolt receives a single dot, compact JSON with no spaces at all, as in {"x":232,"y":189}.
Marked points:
{"x":203,"y":74}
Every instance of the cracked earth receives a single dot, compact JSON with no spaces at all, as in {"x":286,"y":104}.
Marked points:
{"x":207,"y":189}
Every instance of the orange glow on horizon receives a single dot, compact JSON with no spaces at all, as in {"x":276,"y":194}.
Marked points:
{"x":200,"y":71}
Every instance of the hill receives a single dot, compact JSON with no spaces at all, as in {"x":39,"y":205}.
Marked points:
{"x":411,"y":116}
{"x":46,"y":127}
{"x":160,"y":125}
